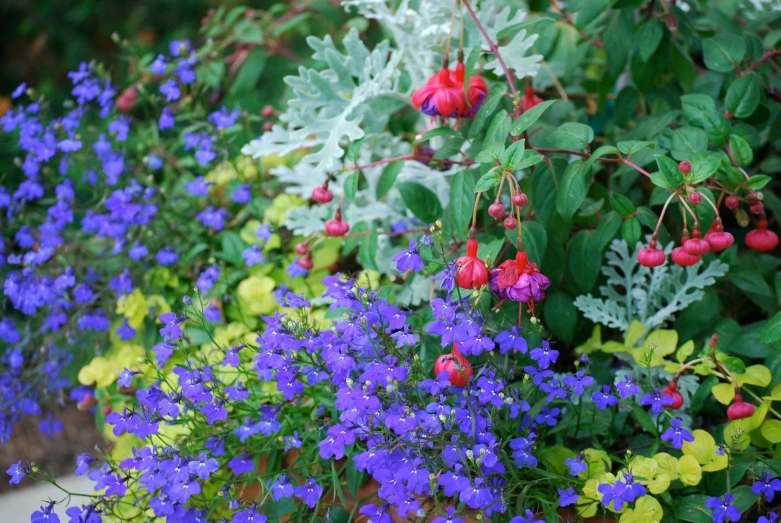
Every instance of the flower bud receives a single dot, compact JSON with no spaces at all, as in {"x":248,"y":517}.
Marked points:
{"x":519,"y":199}
{"x":685,"y":167}
{"x":732,"y":202}
{"x":651,"y":256}
{"x":302,"y":248}
{"x":761,"y":239}
{"x":510,"y":223}
{"x":757,"y":208}
{"x":321,"y":194}
{"x":267,"y":111}
{"x":695,"y":198}
{"x":740,"y":409}
{"x":496,"y":210}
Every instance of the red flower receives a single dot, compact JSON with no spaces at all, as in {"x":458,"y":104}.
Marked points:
{"x":529,"y":99}
{"x":456,"y":365}
{"x":682,"y":258}
{"x":672,"y":392}
{"x":651,"y":256}
{"x":471,"y":272}
{"x":760,"y":239}
{"x":443,"y":94}
{"x":740,"y":409}
{"x":717,"y":238}
{"x":696,"y":246}
{"x":336,"y":227}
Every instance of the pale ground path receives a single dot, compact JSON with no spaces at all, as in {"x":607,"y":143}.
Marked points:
{"x":17,"y":505}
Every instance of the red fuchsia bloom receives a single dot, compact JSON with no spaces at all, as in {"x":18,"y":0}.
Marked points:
{"x":696,"y":246}
{"x":519,"y":280}
{"x":717,"y":238}
{"x":682,"y":258}
{"x":336,"y":227}
{"x":760,"y":239}
{"x":477,"y":92}
{"x":672,"y":392}
{"x":651,"y":256}
{"x":472,"y":272}
{"x":740,"y":409}
{"x":443,"y":94}
{"x":529,"y":99}
{"x":321,"y":194}
{"x":457,"y":366}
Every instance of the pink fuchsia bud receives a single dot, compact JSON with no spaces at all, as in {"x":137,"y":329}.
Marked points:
{"x":267,"y":111}
{"x":267,"y":126}
{"x":496,"y":210}
{"x":510,"y":223}
{"x":302,"y":248}
{"x":728,"y":115}
{"x":732,"y":202}
{"x":740,"y":409}
{"x":761,"y":239}
{"x":321,"y":194}
{"x":106,"y":410}
{"x":336,"y":227}
{"x":695,"y":198}
{"x":456,"y":365}
{"x":682,"y":258}
{"x":472,"y":272}
{"x":519,"y":199}
{"x":713,"y":342}
{"x":127,"y":99}
{"x":757,"y":208}
{"x":696,"y":246}
{"x":306,"y":262}
{"x":717,"y":238}
{"x":651,"y":256}
{"x":87,"y":402}
{"x":685,"y":167}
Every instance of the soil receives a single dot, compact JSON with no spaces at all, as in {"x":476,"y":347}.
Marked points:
{"x":56,"y":455}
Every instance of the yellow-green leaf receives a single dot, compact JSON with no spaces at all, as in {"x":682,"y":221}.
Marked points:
{"x":771,"y":430}
{"x":593,"y":343}
{"x":643,"y":468}
{"x":598,"y":463}
{"x":690,"y":470}
{"x":667,"y":465}
{"x":646,"y":510}
{"x":660,"y":483}
{"x":724,"y":393}
{"x":684,"y":351}
{"x":703,"y":448}
{"x":633,"y":333}
{"x":755,"y":375}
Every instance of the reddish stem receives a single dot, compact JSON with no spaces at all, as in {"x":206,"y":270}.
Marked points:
{"x":493,"y":47}
{"x":765,"y":57}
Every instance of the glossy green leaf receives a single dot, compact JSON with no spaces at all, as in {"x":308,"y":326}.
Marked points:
{"x":388,"y":177}
{"x":528,"y":118}
{"x":421,"y":201}
{"x":723,"y":52}
{"x":571,"y":136}
{"x":744,"y":95}
{"x":573,"y":187}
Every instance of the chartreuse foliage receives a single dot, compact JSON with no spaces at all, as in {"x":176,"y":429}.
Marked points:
{"x":566,"y":209}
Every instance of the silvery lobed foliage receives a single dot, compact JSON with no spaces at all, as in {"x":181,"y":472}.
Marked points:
{"x":650,"y":295}
{"x":353,"y":98}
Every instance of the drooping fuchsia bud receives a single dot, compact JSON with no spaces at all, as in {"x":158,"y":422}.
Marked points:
{"x":651,"y":256}
{"x":695,"y":198}
{"x":496,"y":210}
{"x":472,"y":272}
{"x":740,"y":409}
{"x":696,"y":246}
{"x":335,"y":226}
{"x":305,"y":262}
{"x":682,"y":258}
{"x":510,"y":223}
{"x":302,"y":248}
{"x":457,"y":366}
{"x":717,"y":238}
{"x":321,"y":194}
{"x":519,"y":199}
{"x":761,"y":239}
{"x":672,"y":392}
{"x":732,"y":202}
{"x":685,"y":167}
{"x":757,"y":208}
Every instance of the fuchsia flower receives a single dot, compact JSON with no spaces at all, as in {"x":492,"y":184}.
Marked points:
{"x":443,"y":94}
{"x":519,"y":280}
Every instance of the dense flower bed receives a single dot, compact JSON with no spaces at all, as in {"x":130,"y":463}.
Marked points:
{"x":377,"y":301}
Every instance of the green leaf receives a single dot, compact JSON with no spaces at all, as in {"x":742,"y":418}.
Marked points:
{"x":700,"y":110}
{"x":692,"y":509}
{"x":250,"y":72}
{"x":436,"y":132}
{"x":688,"y":141}
{"x":535,"y":240}
{"x":211,"y":73}
{"x":421,"y":201}
{"x":648,"y":38}
{"x":630,"y":231}
{"x":561,"y":315}
{"x":355,"y":478}
{"x":351,"y":186}
{"x":668,"y":170}
{"x":511,"y":157}
{"x":530,"y":158}
{"x":354,"y":150}
{"x":388,"y":177}
{"x":749,"y":280}
{"x":621,"y":204}
{"x":703,"y":167}
{"x":511,"y":30}
{"x":584,"y":260}
{"x":771,"y":332}
{"x":469,"y":66}
{"x":571,"y":136}
{"x":643,"y":418}
{"x":486,"y":110}
{"x":606,"y":230}
{"x":723,"y":52}
{"x":491,"y":153}
{"x":462,"y":198}
{"x":743,"y":96}
{"x":573,"y":187}
{"x":758,"y":181}
{"x":488,"y":181}
{"x":499,"y":127}
{"x":367,"y":251}
{"x":741,"y":150}
{"x":633,"y":146}
{"x":599,"y":153}
{"x":232,"y":247}
{"x":702,"y":393}
{"x":528,"y":118}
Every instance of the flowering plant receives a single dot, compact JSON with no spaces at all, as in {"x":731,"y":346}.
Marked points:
{"x":388,"y":317}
